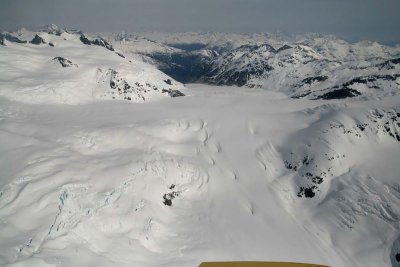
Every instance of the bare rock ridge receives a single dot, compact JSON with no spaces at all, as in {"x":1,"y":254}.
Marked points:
{"x":65,"y":63}
{"x":4,"y":36}
{"x":97,"y":41}
{"x":37,"y":40}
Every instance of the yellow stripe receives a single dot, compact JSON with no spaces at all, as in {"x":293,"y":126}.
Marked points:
{"x":257,"y":264}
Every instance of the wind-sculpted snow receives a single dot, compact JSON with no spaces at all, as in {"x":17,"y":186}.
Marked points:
{"x":107,"y":185}
{"x":179,"y":181}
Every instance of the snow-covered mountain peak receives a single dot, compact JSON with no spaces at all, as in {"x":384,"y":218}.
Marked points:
{"x":31,"y":72}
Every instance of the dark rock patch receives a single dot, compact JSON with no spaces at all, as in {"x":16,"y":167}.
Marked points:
{"x":298,"y":96}
{"x":311,"y":80}
{"x":168,"y":81}
{"x":119,"y":54}
{"x":395,"y":61}
{"x":285,"y":47}
{"x":362,"y":126}
{"x":397,"y":257}
{"x":389,"y":64}
{"x":339,"y":94}
{"x":289,"y":166}
{"x":37,"y":40}
{"x":65,"y":63}
{"x":168,"y":197}
{"x":85,"y":40}
{"x":10,"y":38}
{"x":103,"y":43}
{"x":173,"y":93}
{"x":387,"y":122}
{"x":98,"y":42}
{"x":307,"y":192}
{"x":123,"y":90}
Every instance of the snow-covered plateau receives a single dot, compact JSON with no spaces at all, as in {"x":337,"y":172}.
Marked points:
{"x":107,"y":161}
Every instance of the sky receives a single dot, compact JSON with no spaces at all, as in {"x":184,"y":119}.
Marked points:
{"x":353,"y":20}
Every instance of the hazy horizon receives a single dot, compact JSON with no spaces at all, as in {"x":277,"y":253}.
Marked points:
{"x":352,"y":20}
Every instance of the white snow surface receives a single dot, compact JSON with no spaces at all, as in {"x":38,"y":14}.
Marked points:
{"x":32,"y":74}
{"x":83,"y":185}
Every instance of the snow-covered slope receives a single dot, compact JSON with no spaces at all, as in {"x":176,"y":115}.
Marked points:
{"x":69,"y":67}
{"x":226,"y":174}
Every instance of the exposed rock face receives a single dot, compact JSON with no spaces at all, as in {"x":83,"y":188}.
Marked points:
{"x":311,"y":80}
{"x":173,"y":93}
{"x":320,"y":157}
{"x":168,"y":197}
{"x":10,"y":38}
{"x":37,"y":40}
{"x":98,"y":41}
{"x":65,"y":63}
{"x":339,"y":94}
{"x":240,"y":65}
{"x":371,"y":82}
{"x":120,"y":88}
{"x":119,"y":54}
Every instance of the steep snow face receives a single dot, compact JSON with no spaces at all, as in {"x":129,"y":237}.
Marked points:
{"x":226,"y":174}
{"x":73,"y":68}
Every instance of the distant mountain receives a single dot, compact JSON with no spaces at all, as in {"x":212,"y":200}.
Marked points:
{"x":308,"y":66}
{"x":313,"y":72}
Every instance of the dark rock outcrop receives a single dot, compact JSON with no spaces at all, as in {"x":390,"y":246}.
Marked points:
{"x":311,"y":80}
{"x":346,"y":91}
{"x":307,"y":192}
{"x":168,"y":197}
{"x":37,"y":40}
{"x":98,"y":42}
{"x":10,"y":38}
{"x":173,"y":93}
{"x":285,"y":47}
{"x":339,"y":94}
{"x":65,"y":62}
{"x":119,"y":54}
